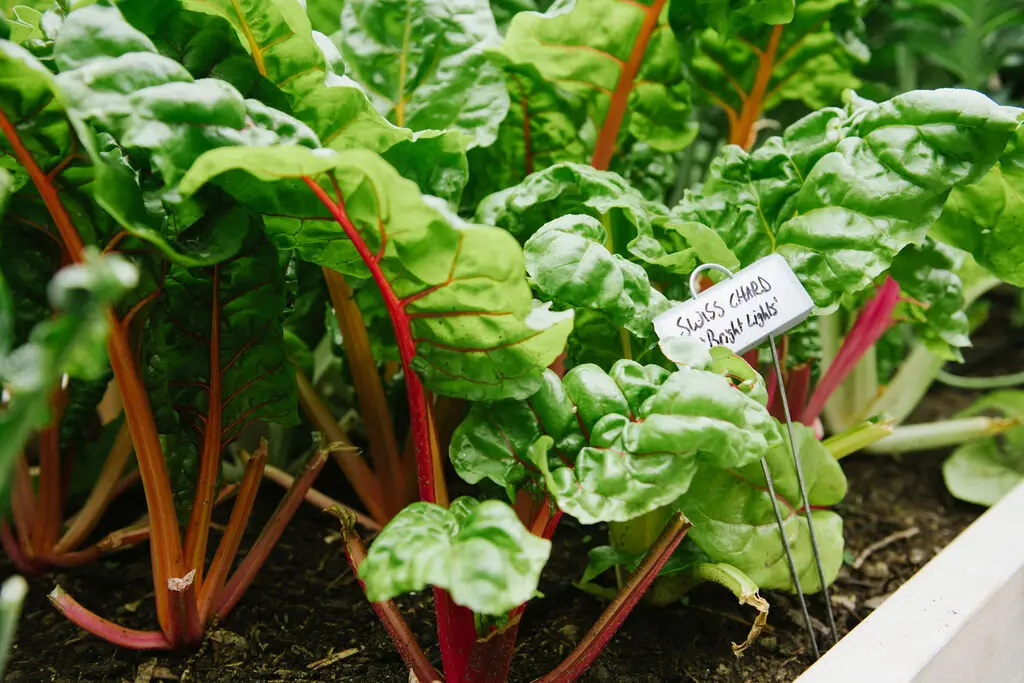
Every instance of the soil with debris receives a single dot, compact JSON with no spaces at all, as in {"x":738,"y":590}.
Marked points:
{"x":305,"y":618}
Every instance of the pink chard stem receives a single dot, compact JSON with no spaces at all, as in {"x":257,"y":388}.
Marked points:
{"x":393,"y":621}
{"x":455,"y":625}
{"x":580,"y":659}
{"x":874,"y":319}
{"x":107,"y":630}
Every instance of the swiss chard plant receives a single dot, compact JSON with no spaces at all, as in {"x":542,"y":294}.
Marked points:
{"x":434,"y":197}
{"x":197,"y":354}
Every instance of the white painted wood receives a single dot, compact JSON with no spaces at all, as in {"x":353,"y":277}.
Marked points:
{"x":958,"y":620}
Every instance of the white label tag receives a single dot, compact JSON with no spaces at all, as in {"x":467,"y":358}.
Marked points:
{"x":740,"y":312}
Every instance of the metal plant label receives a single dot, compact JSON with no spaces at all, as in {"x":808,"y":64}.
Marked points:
{"x":741,"y":311}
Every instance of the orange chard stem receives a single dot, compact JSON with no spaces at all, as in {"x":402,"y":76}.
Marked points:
{"x":166,"y":541}
{"x":23,"y":501}
{"x":606,"y":139}
{"x":373,"y":403}
{"x":318,"y":499}
{"x":107,"y":630}
{"x":347,"y":456}
{"x":103,"y":492}
{"x":225,"y":599}
{"x":437,"y":461}
{"x":742,"y":133}
{"x":198,"y":532}
{"x":50,"y":501}
{"x":232,"y":537}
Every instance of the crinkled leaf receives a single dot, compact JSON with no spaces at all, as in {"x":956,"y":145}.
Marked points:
{"x":927,"y":276}
{"x":842,"y":192}
{"x":423,"y":63}
{"x":478,"y":551}
{"x":986,"y":218}
{"x":569,"y":262}
{"x":982,"y":472}
{"x":733,"y":520}
{"x":576,"y":188}
{"x":613,"y":446}
{"x":435,"y":161}
{"x":71,"y":343}
{"x":477,"y":333}
{"x":621,"y":56}
{"x":56,"y":117}
{"x":279,"y":39}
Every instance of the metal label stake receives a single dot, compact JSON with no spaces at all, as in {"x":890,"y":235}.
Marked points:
{"x":740,"y":312}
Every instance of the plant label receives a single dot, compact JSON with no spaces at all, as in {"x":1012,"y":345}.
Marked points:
{"x":741,"y":311}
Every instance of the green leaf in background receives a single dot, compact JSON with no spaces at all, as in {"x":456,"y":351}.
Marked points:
{"x":478,"y":551}
{"x":225,"y":358}
{"x":986,"y":218}
{"x":423,"y":63}
{"x":970,"y":39}
{"x":477,"y":332}
{"x":621,"y":57}
{"x":324,"y":15}
{"x":57,"y":118}
{"x":749,"y":62}
{"x":613,"y":446}
{"x":71,"y":343}
{"x":279,"y":39}
{"x":842,"y":192}
{"x":733,"y":520}
{"x":982,"y":472}
{"x":504,"y":10}
{"x":542,"y":128}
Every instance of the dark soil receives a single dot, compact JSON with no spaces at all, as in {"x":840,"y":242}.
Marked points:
{"x":305,"y":606}
{"x":305,"y":618}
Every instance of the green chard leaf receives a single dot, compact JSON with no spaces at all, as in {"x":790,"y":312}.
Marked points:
{"x":621,"y":57}
{"x":566,"y":188}
{"x":841,"y":192}
{"x":984,"y":471}
{"x":424,"y":65}
{"x":617,"y":445}
{"x":810,"y":56}
{"x":462,"y":287}
{"x":733,"y":520}
{"x":927,"y":275}
{"x":224,"y":361}
{"x":541,"y":129}
{"x":569,"y":263}
{"x":280,"y":42}
{"x":121,"y":87}
{"x":478,"y":551}
{"x":986,"y":218}
{"x":71,"y":343}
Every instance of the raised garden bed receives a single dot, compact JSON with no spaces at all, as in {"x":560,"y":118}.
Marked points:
{"x":955,"y":620}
